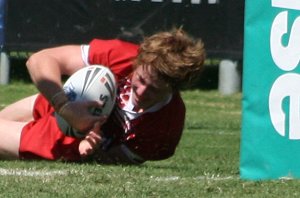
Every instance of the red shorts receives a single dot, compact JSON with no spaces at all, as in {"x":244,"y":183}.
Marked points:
{"x":42,"y":138}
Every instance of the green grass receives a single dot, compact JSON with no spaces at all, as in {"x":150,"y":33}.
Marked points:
{"x":206,"y":163}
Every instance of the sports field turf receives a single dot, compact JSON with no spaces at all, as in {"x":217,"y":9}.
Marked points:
{"x":206,"y":163}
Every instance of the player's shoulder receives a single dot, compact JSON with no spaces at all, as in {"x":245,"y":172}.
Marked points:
{"x":177,"y":99}
{"x":174,"y":108}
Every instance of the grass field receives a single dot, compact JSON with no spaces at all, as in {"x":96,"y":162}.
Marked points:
{"x":206,"y":163}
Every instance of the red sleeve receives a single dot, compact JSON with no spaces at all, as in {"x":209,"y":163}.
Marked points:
{"x":115,"y":54}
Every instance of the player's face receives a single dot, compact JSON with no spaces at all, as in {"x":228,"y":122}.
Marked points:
{"x":147,"y":88}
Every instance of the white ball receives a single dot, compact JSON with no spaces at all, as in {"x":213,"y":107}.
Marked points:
{"x":94,"y":82}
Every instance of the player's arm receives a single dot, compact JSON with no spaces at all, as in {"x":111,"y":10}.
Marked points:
{"x":46,"y":68}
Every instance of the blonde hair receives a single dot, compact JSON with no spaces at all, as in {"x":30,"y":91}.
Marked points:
{"x":175,"y":56}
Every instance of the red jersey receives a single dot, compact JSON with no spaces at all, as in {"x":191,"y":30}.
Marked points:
{"x":152,"y":135}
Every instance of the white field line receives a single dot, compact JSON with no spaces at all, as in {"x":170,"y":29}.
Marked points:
{"x":43,"y":173}
{"x":198,"y":178}
{"x":30,"y":173}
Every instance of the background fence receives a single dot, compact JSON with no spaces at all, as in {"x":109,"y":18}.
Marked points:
{"x":33,"y":24}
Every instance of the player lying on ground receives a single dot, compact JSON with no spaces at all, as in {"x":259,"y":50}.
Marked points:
{"x":146,"y":123}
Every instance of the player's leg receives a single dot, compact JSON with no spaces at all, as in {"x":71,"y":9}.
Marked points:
{"x":20,"y":110}
{"x":10,"y":133}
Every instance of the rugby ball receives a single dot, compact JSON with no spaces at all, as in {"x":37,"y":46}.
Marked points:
{"x":94,"y":82}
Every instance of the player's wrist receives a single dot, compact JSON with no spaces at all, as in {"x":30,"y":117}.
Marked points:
{"x":59,"y":100}
{"x":62,"y":110}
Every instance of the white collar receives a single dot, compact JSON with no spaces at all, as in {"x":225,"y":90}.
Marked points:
{"x":128,"y":108}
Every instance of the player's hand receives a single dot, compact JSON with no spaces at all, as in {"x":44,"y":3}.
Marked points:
{"x":91,"y":142}
{"x":78,"y":115}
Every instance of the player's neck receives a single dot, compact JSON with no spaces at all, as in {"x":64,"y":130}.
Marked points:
{"x":153,"y":107}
